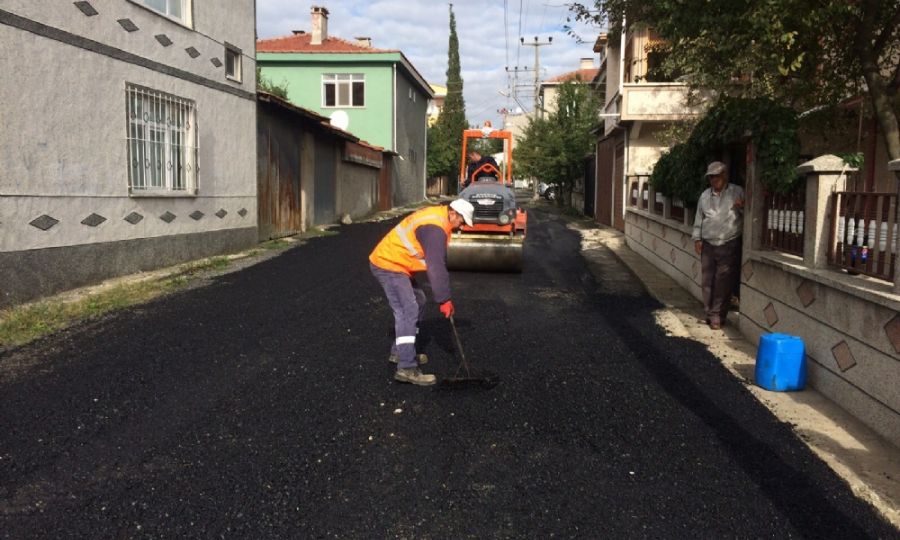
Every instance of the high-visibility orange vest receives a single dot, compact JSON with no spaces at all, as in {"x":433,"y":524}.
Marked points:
{"x":400,"y":250}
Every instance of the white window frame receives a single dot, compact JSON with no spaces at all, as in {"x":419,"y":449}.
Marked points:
{"x":346,"y":82}
{"x":161,"y":142}
{"x":238,"y":74}
{"x":172,"y":9}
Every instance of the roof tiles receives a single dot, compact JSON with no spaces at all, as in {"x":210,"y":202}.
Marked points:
{"x":585,"y":75}
{"x":302,"y":43}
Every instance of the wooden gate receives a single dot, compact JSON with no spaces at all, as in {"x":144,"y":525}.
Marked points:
{"x":325,"y":184}
{"x":279,"y":207}
{"x":604,"y":200}
{"x":590,"y":167}
{"x":618,"y":183}
{"x":384,"y":185}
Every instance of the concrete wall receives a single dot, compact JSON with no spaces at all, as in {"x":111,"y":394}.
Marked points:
{"x":63,"y":146}
{"x":667,"y":244}
{"x":844,"y":316}
{"x":412,"y":126}
{"x":644,"y":148}
{"x":850,"y":324}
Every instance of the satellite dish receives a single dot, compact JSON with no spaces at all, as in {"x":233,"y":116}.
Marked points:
{"x":340,"y":120}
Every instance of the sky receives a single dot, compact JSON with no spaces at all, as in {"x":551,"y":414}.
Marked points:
{"x":421,"y":29}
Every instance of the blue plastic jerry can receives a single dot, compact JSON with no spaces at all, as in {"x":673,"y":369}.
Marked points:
{"x":781,"y":363}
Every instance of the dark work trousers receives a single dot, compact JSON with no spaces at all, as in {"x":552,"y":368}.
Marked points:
{"x":407,"y":301}
{"x":719,"y":267}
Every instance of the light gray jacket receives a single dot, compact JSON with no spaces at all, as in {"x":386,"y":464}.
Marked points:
{"x":717,"y":221}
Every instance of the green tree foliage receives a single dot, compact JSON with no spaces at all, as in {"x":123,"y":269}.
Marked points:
{"x":801,"y":53}
{"x":772,"y":128}
{"x":263,"y":83}
{"x":445,"y":137}
{"x":553,"y":149}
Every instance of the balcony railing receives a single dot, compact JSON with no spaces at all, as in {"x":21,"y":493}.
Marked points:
{"x":657,"y":102}
{"x":864,"y":238}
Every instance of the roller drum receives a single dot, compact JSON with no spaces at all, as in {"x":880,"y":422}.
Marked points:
{"x":486,"y":253}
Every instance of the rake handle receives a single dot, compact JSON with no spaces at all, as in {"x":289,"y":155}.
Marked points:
{"x":462,"y":355}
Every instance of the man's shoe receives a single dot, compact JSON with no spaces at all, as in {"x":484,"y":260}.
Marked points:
{"x":414,"y":376}
{"x":421,"y":358}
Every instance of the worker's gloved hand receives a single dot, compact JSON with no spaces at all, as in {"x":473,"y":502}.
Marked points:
{"x":447,"y":309}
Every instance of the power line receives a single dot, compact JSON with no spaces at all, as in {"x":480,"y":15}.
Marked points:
{"x":519,"y":49}
{"x":506,"y":27}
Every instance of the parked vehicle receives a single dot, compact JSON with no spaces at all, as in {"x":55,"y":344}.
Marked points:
{"x":522,"y":183}
{"x":548,"y":191}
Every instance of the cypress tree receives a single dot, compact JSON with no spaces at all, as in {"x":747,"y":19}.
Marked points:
{"x":445,"y":138}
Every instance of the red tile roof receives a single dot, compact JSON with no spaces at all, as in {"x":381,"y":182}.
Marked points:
{"x":586,"y":75}
{"x":301,"y":43}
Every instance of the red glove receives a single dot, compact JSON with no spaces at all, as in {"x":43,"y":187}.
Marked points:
{"x":447,"y":309}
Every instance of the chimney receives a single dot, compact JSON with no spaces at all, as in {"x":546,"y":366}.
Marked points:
{"x":319,"y":25}
{"x":587,"y":63}
{"x":364,"y":42}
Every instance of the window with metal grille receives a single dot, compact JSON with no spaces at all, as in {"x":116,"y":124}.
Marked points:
{"x":162,"y":142}
{"x":343,"y":90}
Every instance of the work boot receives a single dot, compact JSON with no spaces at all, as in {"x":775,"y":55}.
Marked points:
{"x":421,"y":358}
{"x":414,"y":376}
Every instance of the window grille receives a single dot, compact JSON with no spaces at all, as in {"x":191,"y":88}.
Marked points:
{"x":162,"y":141}
{"x":343,"y":90}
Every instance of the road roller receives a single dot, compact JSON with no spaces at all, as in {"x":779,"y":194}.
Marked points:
{"x":496,"y":239}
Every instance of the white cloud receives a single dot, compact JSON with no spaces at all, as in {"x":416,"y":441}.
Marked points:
{"x":420,"y":28}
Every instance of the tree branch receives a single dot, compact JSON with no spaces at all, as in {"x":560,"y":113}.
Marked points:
{"x":887,"y":31}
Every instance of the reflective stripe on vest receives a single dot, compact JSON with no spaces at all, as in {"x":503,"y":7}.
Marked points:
{"x":410,"y":227}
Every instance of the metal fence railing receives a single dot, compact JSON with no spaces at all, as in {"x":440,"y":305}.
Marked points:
{"x":785,"y":221}
{"x":677,"y":210}
{"x":864,"y":237}
{"x":659,"y":203}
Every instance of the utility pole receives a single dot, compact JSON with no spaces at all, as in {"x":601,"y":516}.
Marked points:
{"x":514,"y":85}
{"x":538,"y":111}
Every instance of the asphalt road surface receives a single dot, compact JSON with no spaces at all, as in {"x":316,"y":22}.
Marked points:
{"x":263,"y":406}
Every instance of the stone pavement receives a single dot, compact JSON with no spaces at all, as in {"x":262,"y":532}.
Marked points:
{"x":868,"y":463}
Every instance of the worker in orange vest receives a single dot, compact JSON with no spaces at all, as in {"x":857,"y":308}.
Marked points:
{"x":417,"y":244}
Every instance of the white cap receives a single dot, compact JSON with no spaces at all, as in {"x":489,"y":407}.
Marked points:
{"x":465,"y":209}
{"x":716,"y":167}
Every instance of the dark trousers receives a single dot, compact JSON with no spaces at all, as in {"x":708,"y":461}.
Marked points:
{"x":719,"y":266}
{"x":407,"y":301}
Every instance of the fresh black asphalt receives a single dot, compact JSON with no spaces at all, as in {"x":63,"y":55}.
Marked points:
{"x":262,"y":406}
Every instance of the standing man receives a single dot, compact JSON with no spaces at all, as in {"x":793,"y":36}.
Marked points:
{"x":477,"y":167}
{"x":717,"y":239}
{"x":417,"y":244}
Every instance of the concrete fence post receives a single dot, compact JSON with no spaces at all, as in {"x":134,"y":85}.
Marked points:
{"x":824,"y":176}
{"x":894,"y":166}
